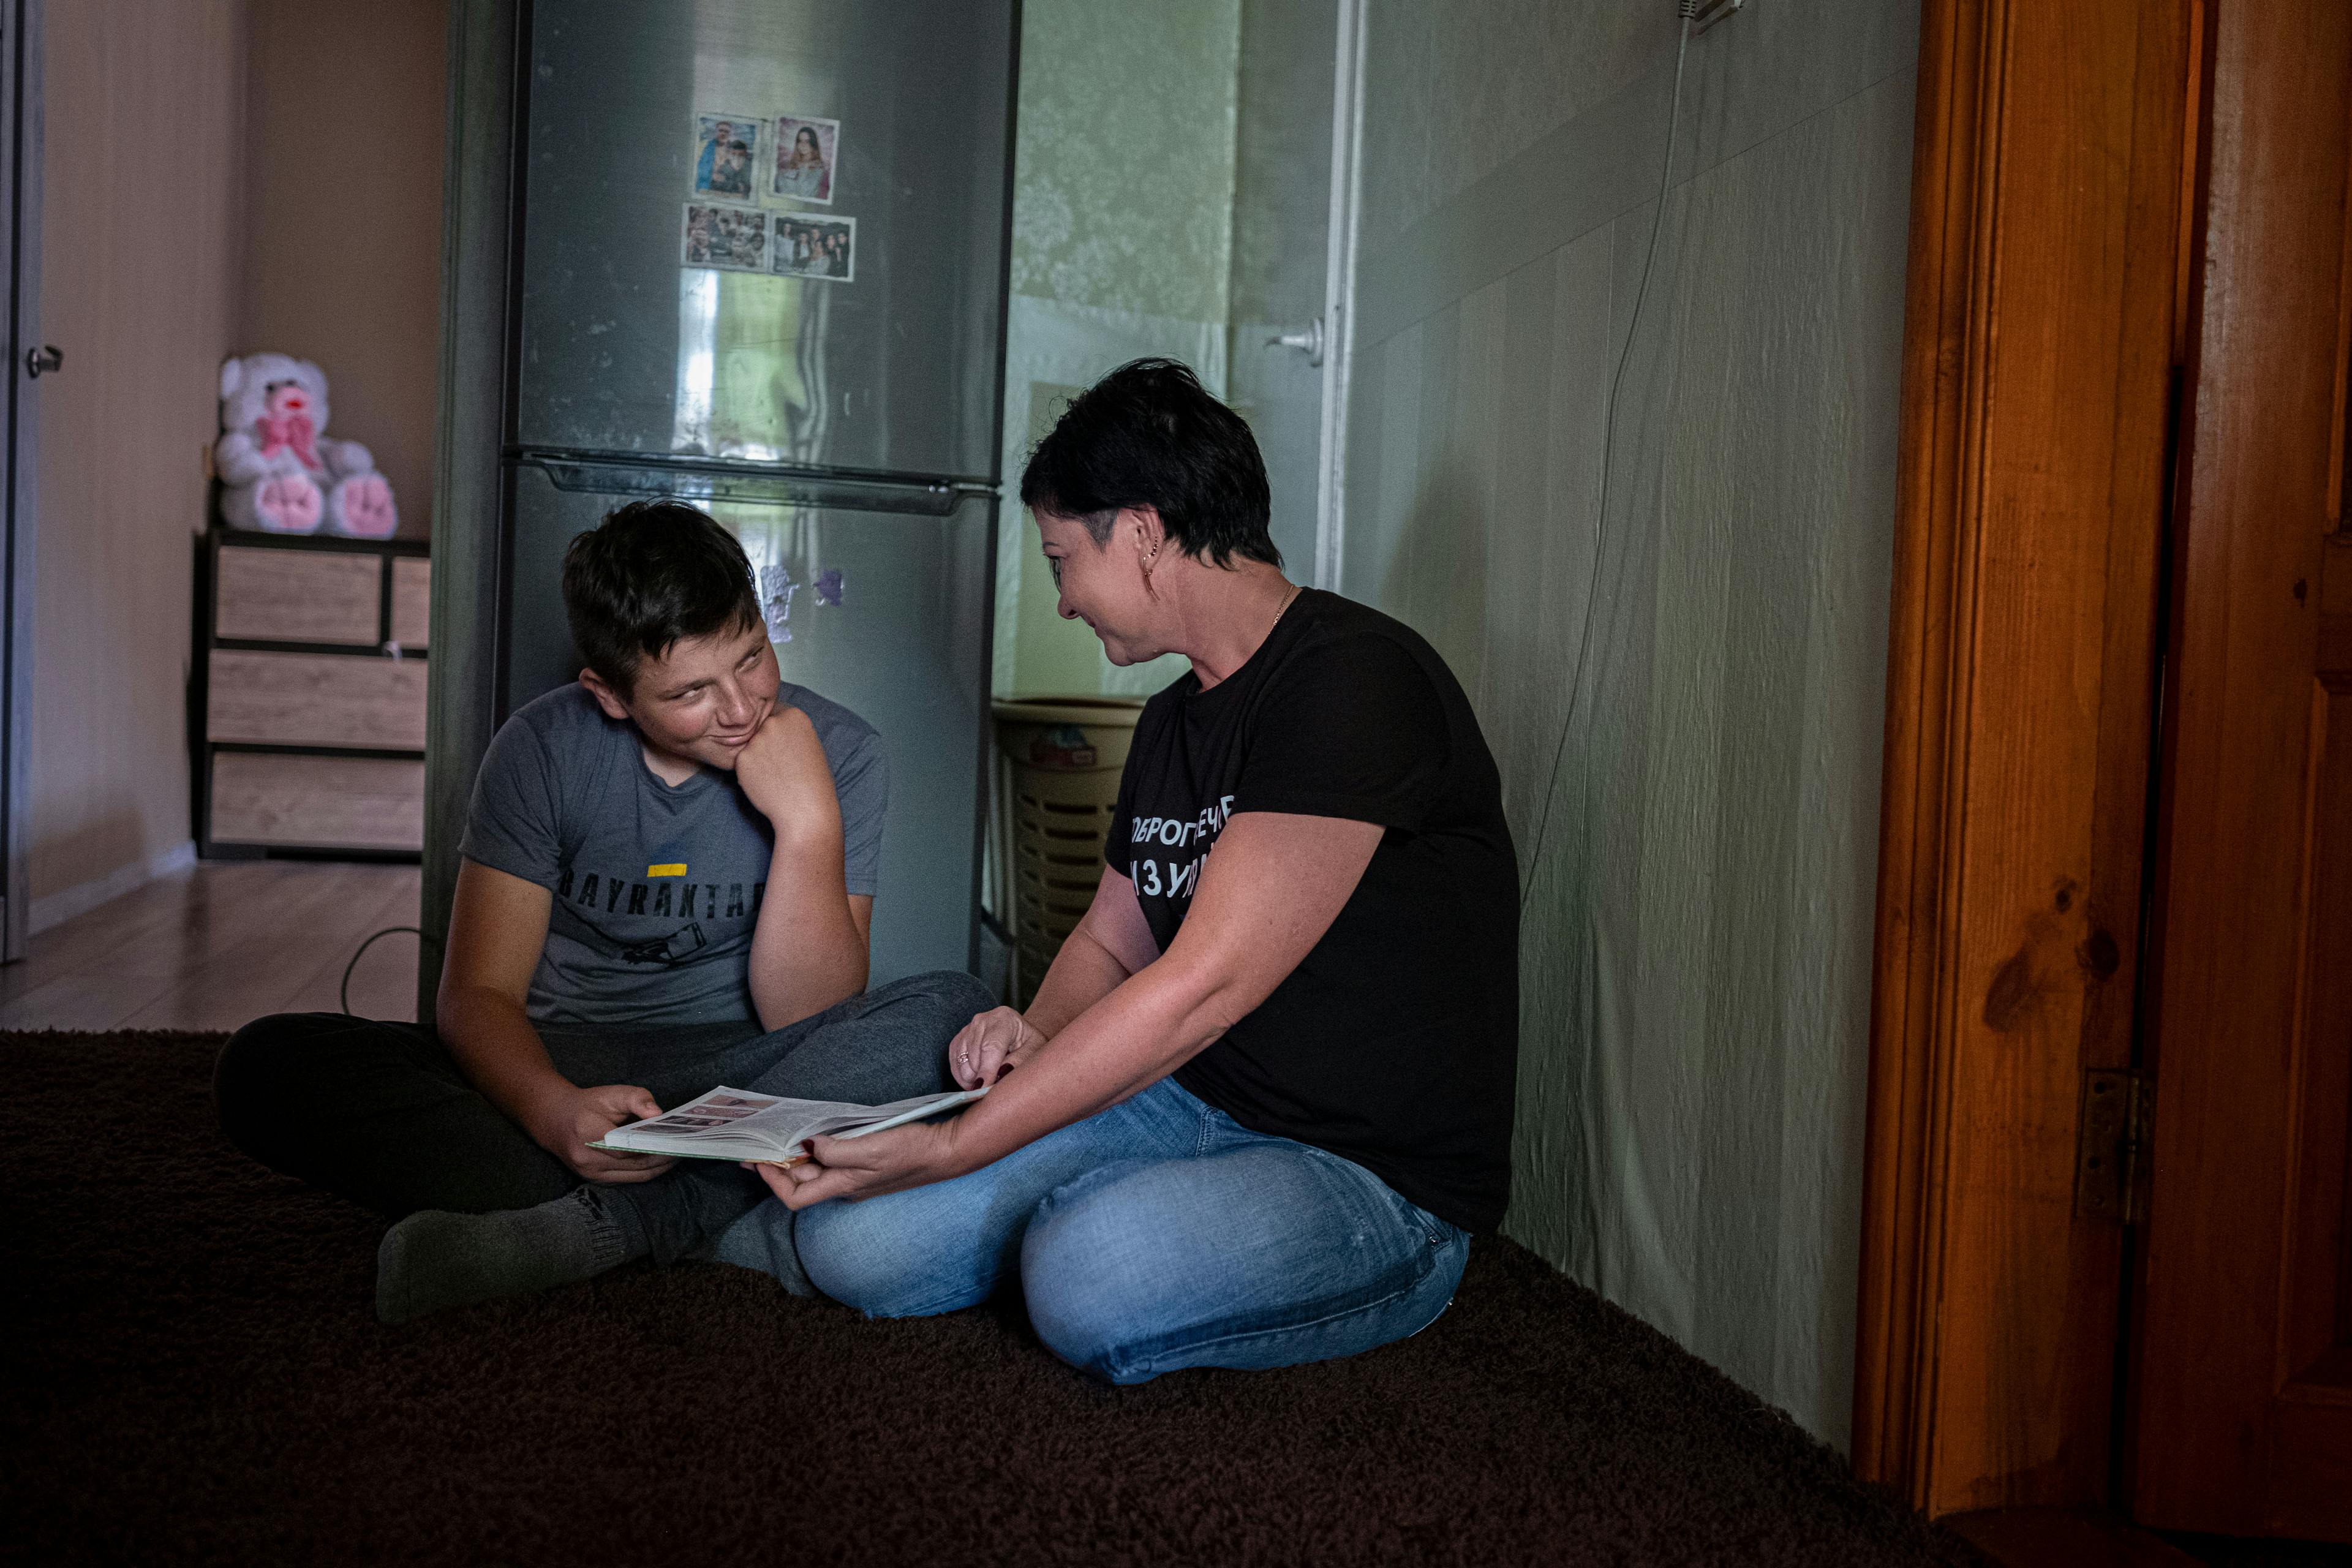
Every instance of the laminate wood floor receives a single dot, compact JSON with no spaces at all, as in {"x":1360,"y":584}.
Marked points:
{"x":222,"y":943}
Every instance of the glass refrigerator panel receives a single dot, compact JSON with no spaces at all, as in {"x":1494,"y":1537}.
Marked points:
{"x":882,"y":612}
{"x":837,"y":174}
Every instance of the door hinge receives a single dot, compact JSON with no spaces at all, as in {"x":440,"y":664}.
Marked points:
{"x":2111,"y":1146}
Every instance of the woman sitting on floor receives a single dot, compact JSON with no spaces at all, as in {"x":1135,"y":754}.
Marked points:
{"x":1264,"y":1095}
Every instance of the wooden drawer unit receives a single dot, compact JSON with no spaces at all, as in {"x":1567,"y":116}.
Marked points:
{"x":412,"y":603}
{"x":311,"y":695}
{"x":287,"y":596}
{"x":316,"y":700}
{"x":318,"y":803}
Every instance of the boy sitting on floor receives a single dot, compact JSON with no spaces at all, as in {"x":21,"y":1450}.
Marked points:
{"x":668,"y":883}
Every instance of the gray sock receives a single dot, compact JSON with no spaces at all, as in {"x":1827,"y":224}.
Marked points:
{"x":434,"y":1260}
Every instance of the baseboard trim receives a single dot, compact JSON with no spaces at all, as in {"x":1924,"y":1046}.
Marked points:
{"x":2063,"y":1538}
{"x":83,"y":897}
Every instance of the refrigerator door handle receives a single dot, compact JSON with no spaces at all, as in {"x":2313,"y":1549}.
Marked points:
{"x":707,"y":480}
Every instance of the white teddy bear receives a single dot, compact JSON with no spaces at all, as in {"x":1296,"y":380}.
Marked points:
{"x":278,"y":473}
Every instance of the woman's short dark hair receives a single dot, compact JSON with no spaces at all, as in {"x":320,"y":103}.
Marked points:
{"x":1149,"y":435}
{"x":652,"y":573}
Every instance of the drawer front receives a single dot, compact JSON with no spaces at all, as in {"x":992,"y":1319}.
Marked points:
{"x":411,"y":600}
{"x":316,"y":700}
{"x":297,"y":595}
{"x":318,"y":803}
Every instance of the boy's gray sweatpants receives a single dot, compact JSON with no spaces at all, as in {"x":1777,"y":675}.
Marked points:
{"x":381,"y":1114}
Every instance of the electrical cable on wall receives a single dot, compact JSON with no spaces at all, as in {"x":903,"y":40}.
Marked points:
{"x":1686,"y":9}
{"x":343,"y":991}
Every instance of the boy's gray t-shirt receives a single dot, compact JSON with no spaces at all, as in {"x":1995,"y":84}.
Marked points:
{"x":656,"y":888}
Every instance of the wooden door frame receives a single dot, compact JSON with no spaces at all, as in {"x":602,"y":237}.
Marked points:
{"x":2053,"y":175}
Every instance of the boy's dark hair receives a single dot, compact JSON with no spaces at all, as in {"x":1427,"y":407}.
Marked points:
{"x":652,"y":573}
{"x":1149,"y":435}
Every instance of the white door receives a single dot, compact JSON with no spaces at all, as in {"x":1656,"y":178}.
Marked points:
{"x":1294,"y":205}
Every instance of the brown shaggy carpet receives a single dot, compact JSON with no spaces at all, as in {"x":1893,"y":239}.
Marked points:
{"x":193,"y":1374}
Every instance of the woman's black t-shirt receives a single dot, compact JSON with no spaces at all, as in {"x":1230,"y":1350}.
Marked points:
{"x":1395,"y":1042}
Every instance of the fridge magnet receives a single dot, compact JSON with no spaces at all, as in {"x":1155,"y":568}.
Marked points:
{"x":776,"y":589}
{"x":828,"y":585}
{"x":822,"y":248}
{"x":734,"y":239}
{"x":805,"y":151}
{"x":726,"y":154}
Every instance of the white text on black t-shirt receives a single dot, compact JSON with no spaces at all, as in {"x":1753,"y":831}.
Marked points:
{"x":1192,"y":837}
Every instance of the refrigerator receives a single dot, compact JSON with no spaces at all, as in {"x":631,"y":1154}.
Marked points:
{"x":760,"y":266}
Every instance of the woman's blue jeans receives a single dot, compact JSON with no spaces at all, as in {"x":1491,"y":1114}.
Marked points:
{"x":1159,"y":1234}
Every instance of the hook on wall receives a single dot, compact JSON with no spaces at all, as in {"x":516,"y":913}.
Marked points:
{"x":1307,"y":340}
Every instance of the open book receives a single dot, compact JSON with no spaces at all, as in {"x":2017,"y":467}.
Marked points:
{"x":737,"y":1124}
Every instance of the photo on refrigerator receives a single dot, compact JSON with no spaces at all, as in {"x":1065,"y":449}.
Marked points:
{"x":726,"y":154}
{"x":733,"y":238}
{"x":807,"y":151}
{"x":821,"y":248}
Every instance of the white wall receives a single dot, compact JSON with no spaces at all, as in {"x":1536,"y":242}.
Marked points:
{"x":346,"y":105}
{"x":1697,"y":943}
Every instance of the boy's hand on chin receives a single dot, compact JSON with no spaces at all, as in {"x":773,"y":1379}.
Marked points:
{"x":785,"y":777}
